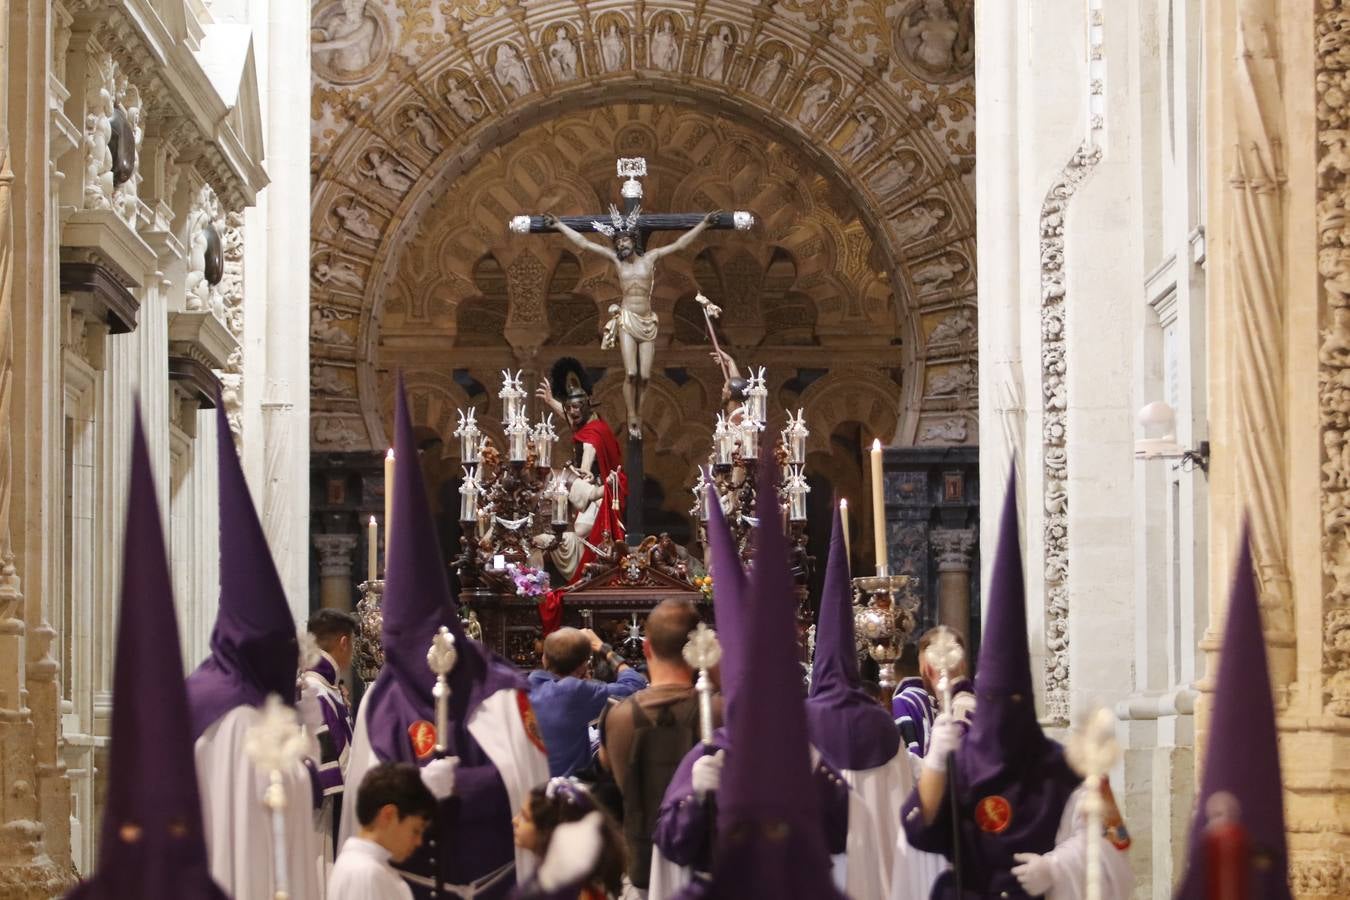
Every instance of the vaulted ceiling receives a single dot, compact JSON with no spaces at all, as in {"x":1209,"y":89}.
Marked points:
{"x":847,"y":127}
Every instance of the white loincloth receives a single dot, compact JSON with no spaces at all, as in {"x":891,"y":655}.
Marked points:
{"x":641,"y":327}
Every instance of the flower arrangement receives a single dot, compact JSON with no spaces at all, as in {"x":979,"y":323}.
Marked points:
{"x":530,"y":582}
{"x":704,"y":584}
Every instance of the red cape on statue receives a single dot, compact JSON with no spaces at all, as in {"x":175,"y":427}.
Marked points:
{"x":607,"y":458}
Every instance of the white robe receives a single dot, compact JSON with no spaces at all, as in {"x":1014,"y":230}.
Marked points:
{"x":914,"y":871}
{"x":1070,"y":859}
{"x":239,"y":830}
{"x":362,"y":872}
{"x":874,"y":831}
{"x":666,"y":879}
{"x":498,"y":728}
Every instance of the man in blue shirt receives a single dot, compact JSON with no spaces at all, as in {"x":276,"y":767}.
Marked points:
{"x":566,"y":700}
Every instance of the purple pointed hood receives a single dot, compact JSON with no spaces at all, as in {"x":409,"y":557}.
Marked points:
{"x":851,"y":730}
{"x":729,"y":596}
{"x":254,"y":648}
{"x":1006,"y":755}
{"x":770,"y":841}
{"x":416,"y":603}
{"x":152,"y":846}
{"x":1244,"y":716}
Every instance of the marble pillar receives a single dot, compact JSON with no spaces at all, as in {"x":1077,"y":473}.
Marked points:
{"x":335,"y":570}
{"x":953,"y":548}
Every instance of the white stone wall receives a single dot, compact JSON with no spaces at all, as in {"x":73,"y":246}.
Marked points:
{"x":1092,"y":294}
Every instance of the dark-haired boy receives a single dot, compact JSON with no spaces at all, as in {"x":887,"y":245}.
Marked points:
{"x":393,"y":808}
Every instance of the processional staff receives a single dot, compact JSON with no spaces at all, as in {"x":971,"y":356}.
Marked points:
{"x":441,"y":658}
{"x":276,"y":744}
{"x":945,"y":654}
{"x":1093,"y":751}
{"x":703,"y":651}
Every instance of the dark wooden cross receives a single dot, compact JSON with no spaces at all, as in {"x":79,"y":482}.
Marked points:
{"x":631,"y":169}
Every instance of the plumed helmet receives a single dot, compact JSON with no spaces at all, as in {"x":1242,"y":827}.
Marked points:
{"x":568,"y":381}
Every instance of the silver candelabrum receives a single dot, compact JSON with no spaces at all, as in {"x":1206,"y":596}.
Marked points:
{"x":368,"y":653}
{"x":883,"y":618}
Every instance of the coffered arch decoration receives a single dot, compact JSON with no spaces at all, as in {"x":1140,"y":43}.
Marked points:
{"x":858,"y":163}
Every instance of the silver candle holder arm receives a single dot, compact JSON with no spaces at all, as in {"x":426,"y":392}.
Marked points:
{"x":945,"y":655}
{"x":703,"y":651}
{"x":441,"y":658}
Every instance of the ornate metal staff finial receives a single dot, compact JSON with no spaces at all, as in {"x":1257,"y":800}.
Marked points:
{"x":944,"y":654}
{"x":441,"y":658}
{"x":702,"y":652}
{"x":1093,"y":750}
{"x":274,"y":744}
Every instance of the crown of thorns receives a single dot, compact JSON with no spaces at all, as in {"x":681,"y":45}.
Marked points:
{"x":620,"y":224}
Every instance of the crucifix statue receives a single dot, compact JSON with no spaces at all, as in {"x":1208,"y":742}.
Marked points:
{"x":633,"y":325}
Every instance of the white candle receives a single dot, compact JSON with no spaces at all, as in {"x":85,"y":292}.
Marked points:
{"x":372,"y":540}
{"x":879,"y":509}
{"x":843,"y":523}
{"x":388,"y":501}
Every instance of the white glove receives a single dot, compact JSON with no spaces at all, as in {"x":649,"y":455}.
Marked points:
{"x":439,"y":776}
{"x":707,"y":773}
{"x":942,"y":742}
{"x":1036,"y":873}
{"x":309,"y":709}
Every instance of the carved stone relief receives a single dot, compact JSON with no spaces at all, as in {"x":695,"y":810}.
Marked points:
{"x":561,"y":51}
{"x":1055,"y":475}
{"x":511,"y":71}
{"x":204,"y":214}
{"x":918,"y":223}
{"x":1333,"y":202}
{"x":350,"y":41}
{"x":947,"y":431}
{"x":935,"y":39}
{"x":100,"y":90}
{"x":231,"y":289}
{"x":957,"y":328}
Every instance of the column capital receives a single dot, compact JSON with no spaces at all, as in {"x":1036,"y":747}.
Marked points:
{"x":335,"y":554}
{"x":953,"y":548}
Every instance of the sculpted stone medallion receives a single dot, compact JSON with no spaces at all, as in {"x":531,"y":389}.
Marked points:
{"x":350,"y":40}
{"x":935,"y":39}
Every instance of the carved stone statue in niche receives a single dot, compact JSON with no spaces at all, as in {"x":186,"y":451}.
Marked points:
{"x":952,"y":431}
{"x":356,"y":220}
{"x":665,"y":47}
{"x":768,"y":76}
{"x":952,"y":381}
{"x":388,"y":171}
{"x":860,"y":141}
{"x":953,"y":328}
{"x":935,"y":41}
{"x":346,"y":40}
{"x":510,"y":70}
{"x":893,"y":175}
{"x":815,"y":98}
{"x":718,"y":45}
{"x":323,"y":327}
{"x":562,"y":56}
{"x":612,"y":48}
{"x":428,"y":135}
{"x":462,"y":102}
{"x":937,"y":273}
{"x":339,"y":273}
{"x":917,"y":223}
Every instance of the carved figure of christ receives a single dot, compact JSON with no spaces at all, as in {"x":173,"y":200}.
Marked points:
{"x":634,"y":326}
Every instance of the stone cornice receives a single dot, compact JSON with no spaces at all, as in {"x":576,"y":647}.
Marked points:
{"x":200,"y":336}
{"x":100,"y":232}
{"x":96,"y":290}
{"x":197,"y":379}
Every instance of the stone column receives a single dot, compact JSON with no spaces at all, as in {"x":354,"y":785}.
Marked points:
{"x":953,"y":547}
{"x":335,"y":570}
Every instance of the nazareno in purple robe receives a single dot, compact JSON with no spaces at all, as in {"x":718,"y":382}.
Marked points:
{"x":472,"y":834}
{"x":1012,"y":782}
{"x":152,"y":845}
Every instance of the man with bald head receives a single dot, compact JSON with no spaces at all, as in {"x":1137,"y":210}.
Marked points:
{"x":566,"y":700}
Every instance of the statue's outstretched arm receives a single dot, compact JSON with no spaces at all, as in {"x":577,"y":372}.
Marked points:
{"x":574,"y":237}
{"x":685,"y":239}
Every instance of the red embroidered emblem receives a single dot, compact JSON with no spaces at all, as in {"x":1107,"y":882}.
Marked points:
{"x":529,"y":721}
{"x":993,"y":814}
{"x":423,"y":735}
{"x":1113,"y":823}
